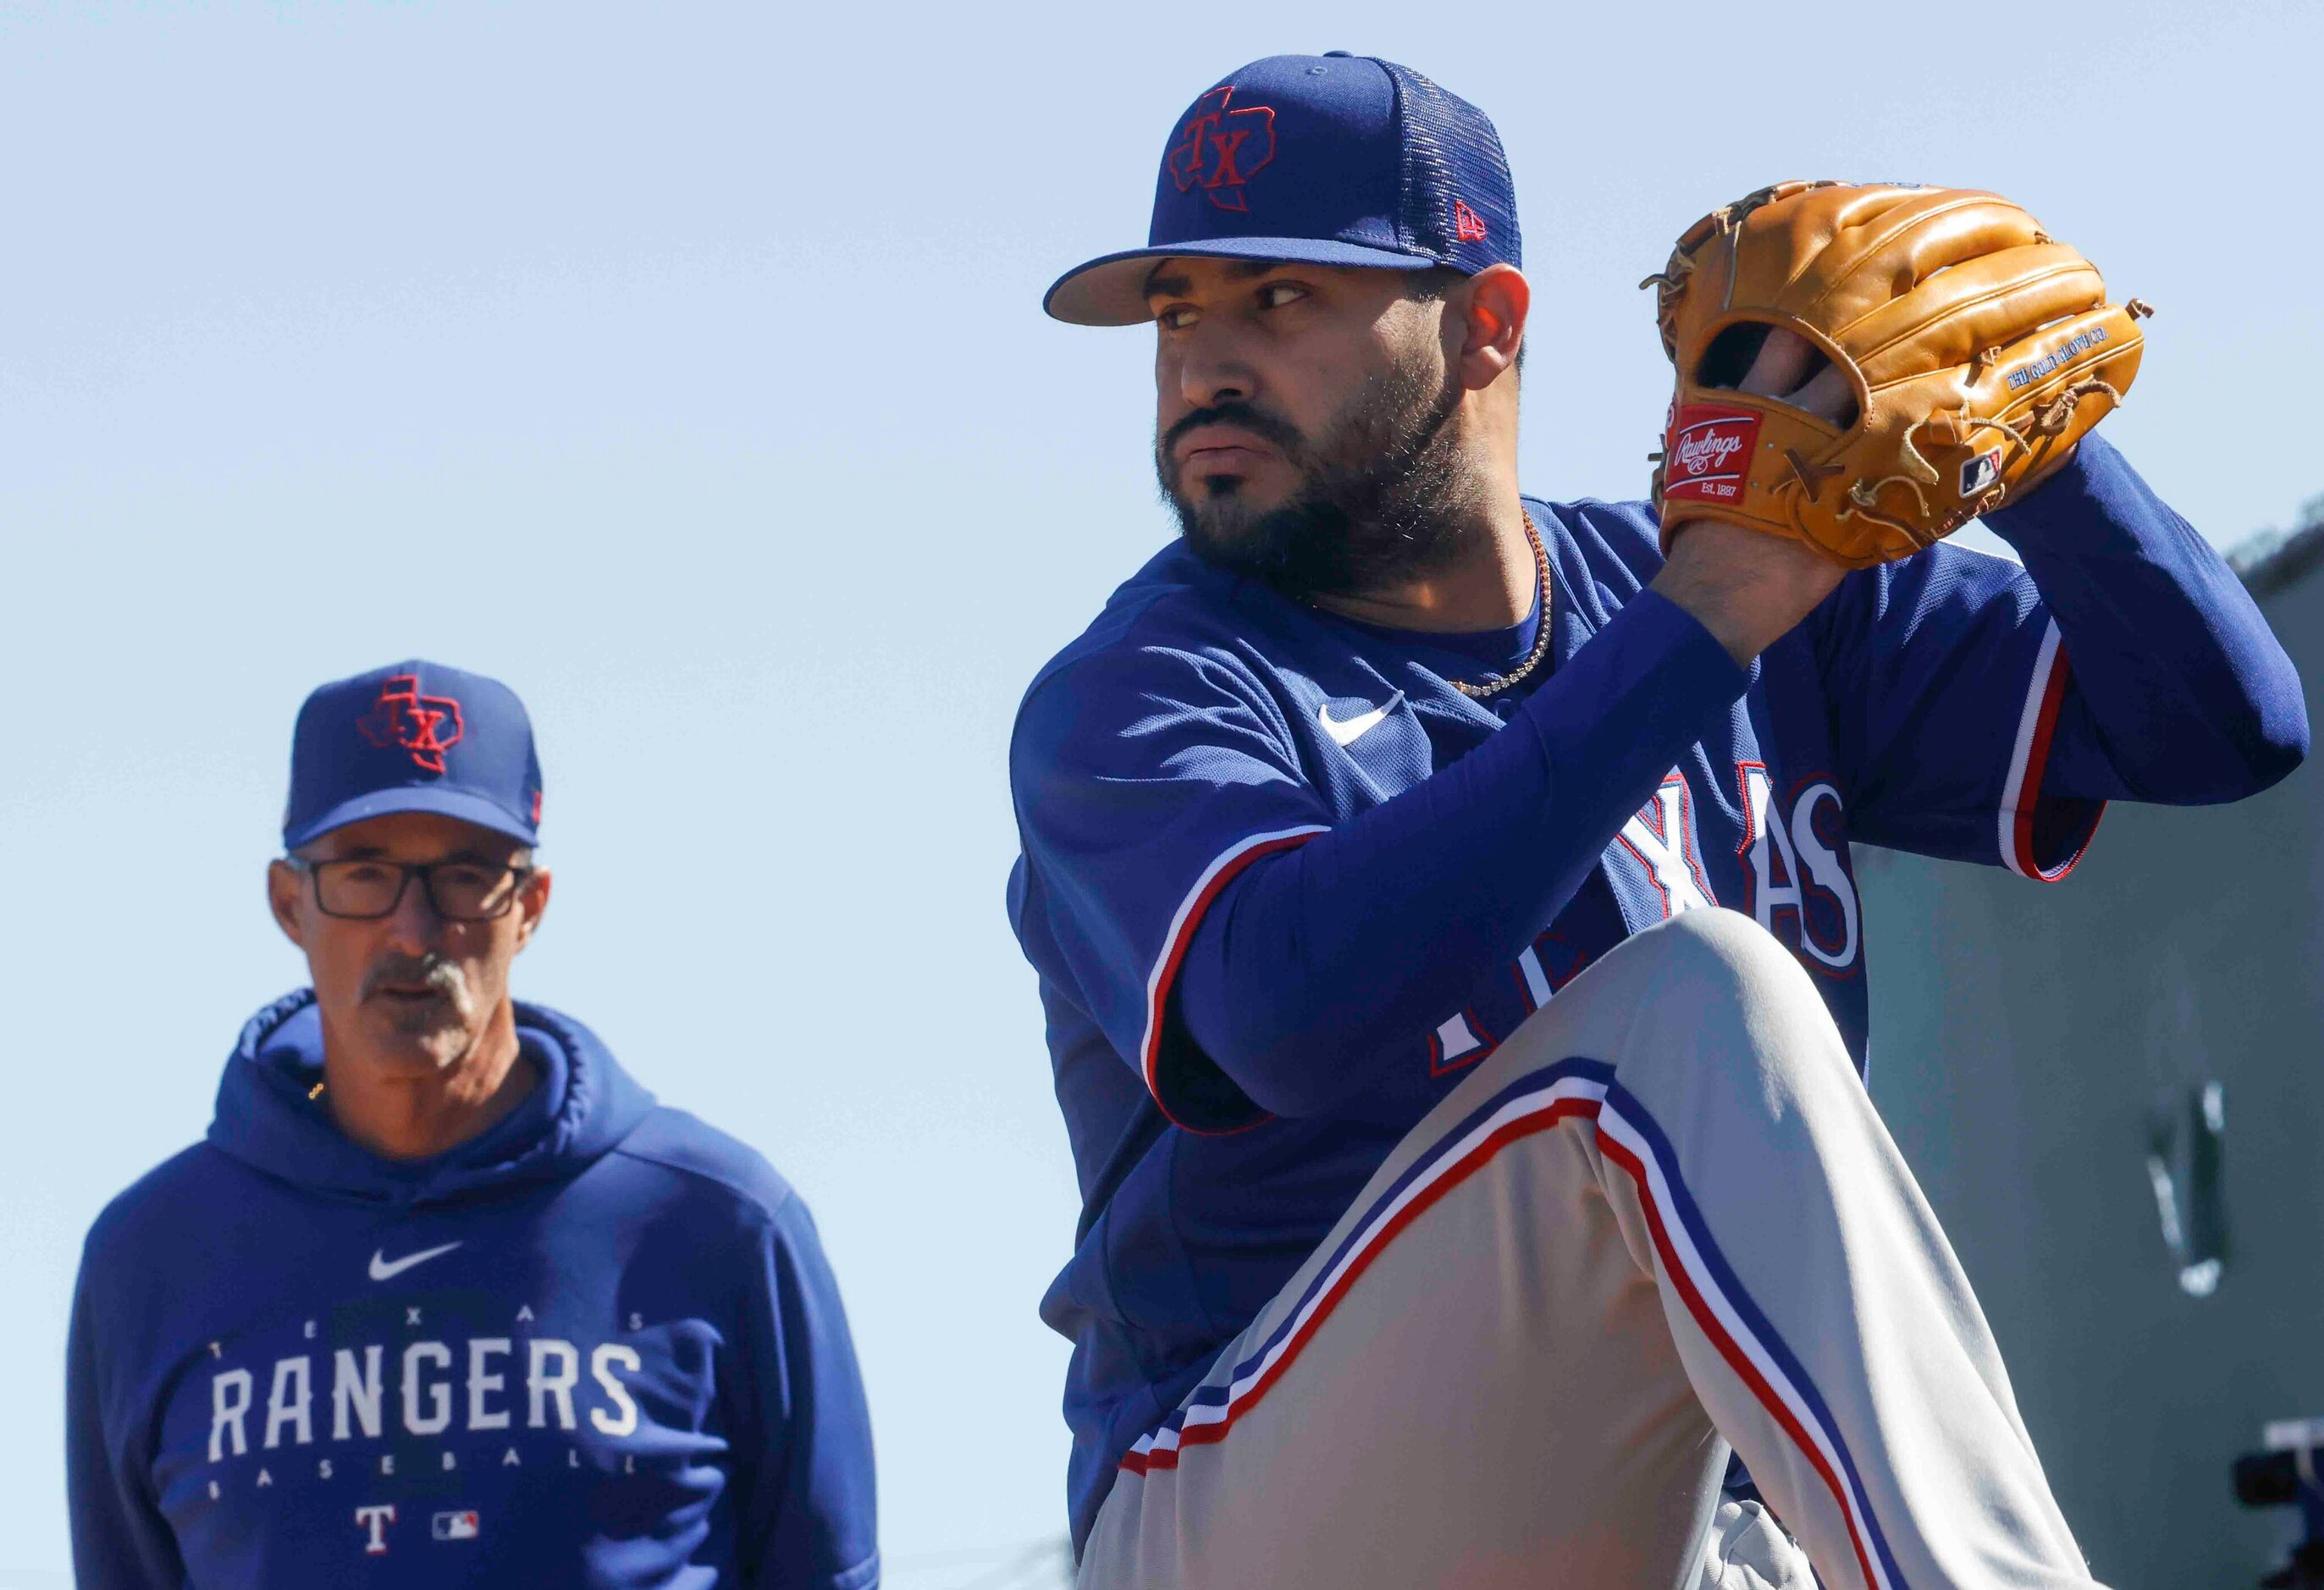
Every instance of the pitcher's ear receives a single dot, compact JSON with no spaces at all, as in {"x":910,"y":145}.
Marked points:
{"x":1494,"y":303}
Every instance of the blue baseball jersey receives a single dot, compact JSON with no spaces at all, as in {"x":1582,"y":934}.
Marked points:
{"x":598,"y":1345}
{"x":1204,"y":725}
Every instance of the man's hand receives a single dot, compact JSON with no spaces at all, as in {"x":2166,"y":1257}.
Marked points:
{"x":1747,"y":588}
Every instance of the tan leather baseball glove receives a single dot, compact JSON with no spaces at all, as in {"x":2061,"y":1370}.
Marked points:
{"x":1976,"y":350}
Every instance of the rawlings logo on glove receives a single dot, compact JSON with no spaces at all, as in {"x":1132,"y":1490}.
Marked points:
{"x":1702,"y":448}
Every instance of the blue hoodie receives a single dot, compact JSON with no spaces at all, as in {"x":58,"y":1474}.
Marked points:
{"x":598,"y":1345}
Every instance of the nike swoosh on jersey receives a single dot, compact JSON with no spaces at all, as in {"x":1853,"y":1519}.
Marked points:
{"x":1348,"y":731}
{"x":382,"y":1268}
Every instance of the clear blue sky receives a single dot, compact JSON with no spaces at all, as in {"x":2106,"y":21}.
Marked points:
{"x":683,"y":366}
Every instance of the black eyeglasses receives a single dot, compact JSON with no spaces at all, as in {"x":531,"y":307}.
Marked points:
{"x":458,"y":891}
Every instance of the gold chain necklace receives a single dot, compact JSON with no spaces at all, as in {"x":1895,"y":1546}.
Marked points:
{"x":1541,"y":636}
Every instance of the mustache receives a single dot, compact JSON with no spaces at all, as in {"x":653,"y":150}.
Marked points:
{"x":432,"y":972}
{"x":1258,"y":423}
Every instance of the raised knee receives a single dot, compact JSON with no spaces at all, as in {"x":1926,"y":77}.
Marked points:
{"x":1715,"y":981}
{"x":1707,"y":987}
{"x":1721,"y":948}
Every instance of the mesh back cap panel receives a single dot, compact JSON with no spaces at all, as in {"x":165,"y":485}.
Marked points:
{"x":1453,"y":162}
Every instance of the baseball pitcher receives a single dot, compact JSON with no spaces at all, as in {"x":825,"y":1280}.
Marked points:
{"x":1441,"y":896}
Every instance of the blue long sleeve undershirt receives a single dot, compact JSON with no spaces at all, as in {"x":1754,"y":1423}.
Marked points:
{"x":1366,"y":928}
{"x":2181,"y":694}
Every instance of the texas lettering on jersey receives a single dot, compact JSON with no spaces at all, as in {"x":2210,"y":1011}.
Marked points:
{"x":1794,"y":862}
{"x":1795,"y":878}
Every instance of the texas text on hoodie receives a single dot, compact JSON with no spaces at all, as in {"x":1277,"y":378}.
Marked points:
{"x":598,"y":1345}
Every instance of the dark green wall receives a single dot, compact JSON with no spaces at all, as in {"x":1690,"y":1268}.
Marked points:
{"x":2021,"y":1034}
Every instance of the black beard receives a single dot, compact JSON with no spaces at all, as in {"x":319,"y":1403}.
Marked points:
{"x":1382,"y":500}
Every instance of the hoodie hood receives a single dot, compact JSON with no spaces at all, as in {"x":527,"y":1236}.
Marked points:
{"x":585,"y":1106}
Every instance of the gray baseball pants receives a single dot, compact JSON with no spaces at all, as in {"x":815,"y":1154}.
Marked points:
{"x":1661,"y":1217}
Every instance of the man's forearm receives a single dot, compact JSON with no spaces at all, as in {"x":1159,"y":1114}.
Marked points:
{"x":2182,"y":693}
{"x":1320,"y":957}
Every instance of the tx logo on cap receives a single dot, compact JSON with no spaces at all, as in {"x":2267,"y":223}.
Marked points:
{"x":426,"y":725}
{"x":1219,"y":150}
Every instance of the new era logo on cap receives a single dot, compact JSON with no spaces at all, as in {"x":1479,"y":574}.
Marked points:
{"x":1328,"y":160}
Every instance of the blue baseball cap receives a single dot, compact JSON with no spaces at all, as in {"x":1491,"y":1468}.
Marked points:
{"x":1332,"y":160}
{"x":413,"y":737}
